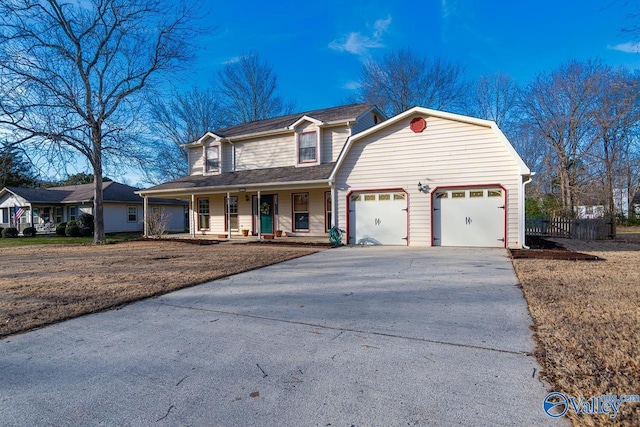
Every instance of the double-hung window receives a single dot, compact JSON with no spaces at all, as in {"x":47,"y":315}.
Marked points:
{"x":307,"y":147}
{"x":213,"y":158}
{"x":231,"y":213}
{"x":132,"y":214}
{"x":203,"y":214}
{"x":301,"y":212}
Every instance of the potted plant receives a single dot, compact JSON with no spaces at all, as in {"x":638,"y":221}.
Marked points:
{"x":278,"y":233}
{"x":245,"y":232}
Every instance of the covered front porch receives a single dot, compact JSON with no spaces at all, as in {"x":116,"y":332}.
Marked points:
{"x":245,"y":212}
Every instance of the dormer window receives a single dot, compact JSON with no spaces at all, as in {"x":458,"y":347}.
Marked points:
{"x":307,"y":147}
{"x":212,"y":158}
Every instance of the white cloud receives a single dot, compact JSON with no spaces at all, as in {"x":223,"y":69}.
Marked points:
{"x":351,"y":85}
{"x":628,"y":47}
{"x":360,"y":44}
{"x":232,"y":60}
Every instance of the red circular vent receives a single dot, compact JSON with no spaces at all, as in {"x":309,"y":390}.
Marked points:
{"x":418,"y":124}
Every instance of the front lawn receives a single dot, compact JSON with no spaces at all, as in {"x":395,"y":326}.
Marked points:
{"x":53,"y":239}
{"x":587,"y":317}
{"x":43,"y":284}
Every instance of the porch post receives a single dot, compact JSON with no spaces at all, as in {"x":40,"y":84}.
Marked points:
{"x":192,"y":217}
{"x":259,"y":221}
{"x":145,"y":215}
{"x":229,"y":215}
{"x":334,"y":197}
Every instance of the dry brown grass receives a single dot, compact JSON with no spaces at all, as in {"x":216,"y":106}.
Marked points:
{"x":43,"y":284}
{"x":587,"y":319}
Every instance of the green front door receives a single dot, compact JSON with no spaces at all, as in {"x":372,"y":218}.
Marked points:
{"x":266,"y":214}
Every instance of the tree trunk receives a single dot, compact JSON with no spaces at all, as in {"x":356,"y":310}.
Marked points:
{"x":98,"y":212}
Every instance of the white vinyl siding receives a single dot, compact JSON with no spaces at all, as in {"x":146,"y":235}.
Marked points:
{"x":196,"y":161}
{"x":333,"y":139}
{"x":447,"y":154}
{"x":271,"y":152}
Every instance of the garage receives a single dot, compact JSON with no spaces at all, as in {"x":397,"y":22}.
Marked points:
{"x":469,"y":217}
{"x":378,"y":218}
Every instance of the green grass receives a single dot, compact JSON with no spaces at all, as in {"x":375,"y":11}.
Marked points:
{"x":59,"y":240}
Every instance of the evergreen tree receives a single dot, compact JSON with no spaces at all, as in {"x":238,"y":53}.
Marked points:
{"x":15,"y":170}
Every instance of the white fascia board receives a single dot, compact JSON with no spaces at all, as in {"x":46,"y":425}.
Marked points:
{"x":305,"y":118}
{"x":201,"y":140}
{"x":524,"y":170}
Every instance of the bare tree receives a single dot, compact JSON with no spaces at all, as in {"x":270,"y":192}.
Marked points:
{"x":186,"y":117}
{"x":559,"y":107}
{"x":71,"y":74}
{"x":616,"y":120}
{"x":248,"y":87}
{"x":496,"y":99}
{"x":405,"y":79}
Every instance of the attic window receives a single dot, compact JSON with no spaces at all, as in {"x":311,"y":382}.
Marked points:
{"x":307,"y":152}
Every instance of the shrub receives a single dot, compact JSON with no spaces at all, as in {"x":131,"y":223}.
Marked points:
{"x":72,"y":229}
{"x":85,"y":220}
{"x":29,"y":232}
{"x":86,"y":231}
{"x":1,"y":228}
{"x":10,"y":232}
{"x":60,"y":228}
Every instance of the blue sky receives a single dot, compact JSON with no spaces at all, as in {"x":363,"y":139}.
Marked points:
{"x":317,"y":48}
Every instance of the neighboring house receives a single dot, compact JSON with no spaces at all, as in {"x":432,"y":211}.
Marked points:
{"x":421,"y":178}
{"x":44,"y":208}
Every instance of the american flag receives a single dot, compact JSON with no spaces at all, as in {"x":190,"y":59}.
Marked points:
{"x":17,"y":214}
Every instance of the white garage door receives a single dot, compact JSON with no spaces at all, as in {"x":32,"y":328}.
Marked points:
{"x":378,"y":218}
{"x":469,"y":217}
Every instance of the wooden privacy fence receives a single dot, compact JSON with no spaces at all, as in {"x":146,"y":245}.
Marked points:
{"x":583,"y":229}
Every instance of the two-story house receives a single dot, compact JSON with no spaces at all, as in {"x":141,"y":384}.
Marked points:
{"x":423,"y":177}
{"x":268,"y":175}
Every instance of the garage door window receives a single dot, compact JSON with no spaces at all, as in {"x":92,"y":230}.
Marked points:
{"x":369,"y":197}
{"x":384,"y":197}
{"x":495,"y":193}
{"x":457,"y":195}
{"x":301,"y":212}
{"x":442,"y":195}
{"x":476,"y":193}
{"x":400,"y":196}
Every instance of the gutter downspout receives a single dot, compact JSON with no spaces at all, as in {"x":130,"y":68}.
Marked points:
{"x":523,"y":214}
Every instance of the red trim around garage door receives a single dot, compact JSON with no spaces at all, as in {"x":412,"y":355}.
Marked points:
{"x":457,"y":187}
{"x":375,"y":190}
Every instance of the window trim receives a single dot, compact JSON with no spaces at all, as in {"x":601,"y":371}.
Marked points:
{"x":208,"y":214}
{"x":226,"y":220}
{"x":129,"y":214}
{"x":206,"y":159}
{"x":308,"y":162}
{"x":293,"y":213}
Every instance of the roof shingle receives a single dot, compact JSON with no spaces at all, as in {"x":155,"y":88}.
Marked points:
{"x":344,"y":112}
{"x":245,"y":178}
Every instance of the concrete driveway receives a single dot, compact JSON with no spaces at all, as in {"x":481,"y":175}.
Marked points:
{"x":352,"y":336}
